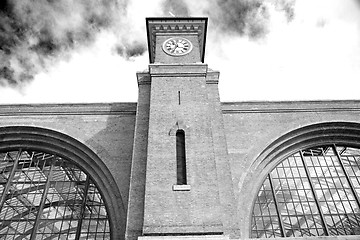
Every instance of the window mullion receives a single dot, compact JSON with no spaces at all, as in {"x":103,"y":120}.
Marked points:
{"x":83,"y":205}
{"x":9,"y":182}
{"x":326,"y":231}
{"x":281,"y":224}
{"x":43,"y":200}
{"x":347,"y":176}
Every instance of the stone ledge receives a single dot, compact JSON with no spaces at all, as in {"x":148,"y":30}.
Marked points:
{"x":290,"y":106}
{"x":181,"y":187}
{"x":194,"y":69}
{"x":69,"y":109}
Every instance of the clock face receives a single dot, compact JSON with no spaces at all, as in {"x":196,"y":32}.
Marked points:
{"x":177,"y":46}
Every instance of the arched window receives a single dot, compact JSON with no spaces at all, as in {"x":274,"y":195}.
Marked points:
{"x":54,"y":187}
{"x":180,"y":158}
{"x":313,"y":192}
{"x":44,"y":196}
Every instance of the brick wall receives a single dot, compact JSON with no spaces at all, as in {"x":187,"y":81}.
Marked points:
{"x":252,"y":127}
{"x":107,"y":129}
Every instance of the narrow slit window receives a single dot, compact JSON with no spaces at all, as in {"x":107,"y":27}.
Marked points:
{"x":180,"y":158}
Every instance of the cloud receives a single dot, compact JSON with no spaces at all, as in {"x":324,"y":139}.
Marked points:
{"x":91,"y":49}
{"x":129,"y":50}
{"x":288,"y":6}
{"x":247,"y":18}
{"x":35,"y":34}
{"x":307,"y":58}
{"x":241,"y":17}
{"x":177,"y":7}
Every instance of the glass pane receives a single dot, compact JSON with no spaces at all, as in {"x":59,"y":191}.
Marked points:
{"x":265,"y":220}
{"x":296,"y":179}
{"x":296,"y":201}
{"x":50,"y":197}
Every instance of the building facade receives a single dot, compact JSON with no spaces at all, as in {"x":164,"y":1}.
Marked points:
{"x":179,"y":163}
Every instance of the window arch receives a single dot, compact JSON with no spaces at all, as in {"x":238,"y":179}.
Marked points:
{"x":313,"y":192}
{"x":52,"y":185}
{"x":311,"y":185}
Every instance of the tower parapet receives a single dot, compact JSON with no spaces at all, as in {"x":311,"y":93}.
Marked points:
{"x":161,"y":29}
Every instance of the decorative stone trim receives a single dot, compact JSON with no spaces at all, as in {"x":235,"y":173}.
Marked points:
{"x":143,"y":78}
{"x":179,"y":125}
{"x":181,"y":70}
{"x":212,"y":77}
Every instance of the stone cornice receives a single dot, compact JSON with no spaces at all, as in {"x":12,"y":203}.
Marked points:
{"x":291,"y":107}
{"x":212,"y":77}
{"x":143,"y":78}
{"x":178,"y":70}
{"x":177,"y":25}
{"x":68,"y":109}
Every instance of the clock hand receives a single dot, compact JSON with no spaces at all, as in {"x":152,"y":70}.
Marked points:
{"x":177,"y":47}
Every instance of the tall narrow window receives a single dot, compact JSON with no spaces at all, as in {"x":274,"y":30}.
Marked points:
{"x":180,"y":158}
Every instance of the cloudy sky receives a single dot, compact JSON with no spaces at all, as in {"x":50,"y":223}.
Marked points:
{"x":63,"y":51}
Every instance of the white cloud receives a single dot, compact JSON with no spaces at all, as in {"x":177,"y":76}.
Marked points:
{"x":300,"y":60}
{"x":315,"y":56}
{"x":93,"y":74}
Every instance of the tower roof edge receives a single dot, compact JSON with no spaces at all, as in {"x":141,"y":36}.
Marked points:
{"x":155,"y":25}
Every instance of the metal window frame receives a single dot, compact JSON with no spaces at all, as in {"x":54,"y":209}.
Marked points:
{"x":312,"y":187}
{"x":31,"y":170}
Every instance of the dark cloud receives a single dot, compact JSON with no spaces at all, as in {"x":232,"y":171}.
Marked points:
{"x":177,"y":7}
{"x":130,"y":50}
{"x":247,"y":17}
{"x":136,"y":49}
{"x":11,"y":34}
{"x":34,"y":34}
{"x":8,"y":75}
{"x":4,"y":5}
{"x":288,"y":6}
{"x":243,"y":17}
{"x":46,"y":44}
{"x":357,"y":2}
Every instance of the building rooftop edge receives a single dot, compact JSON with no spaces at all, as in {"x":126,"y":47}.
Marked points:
{"x":114,"y":108}
{"x":290,"y":106}
{"x":129,"y":108}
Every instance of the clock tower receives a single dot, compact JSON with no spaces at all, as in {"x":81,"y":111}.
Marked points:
{"x":176,"y":40}
{"x":180,"y":171}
